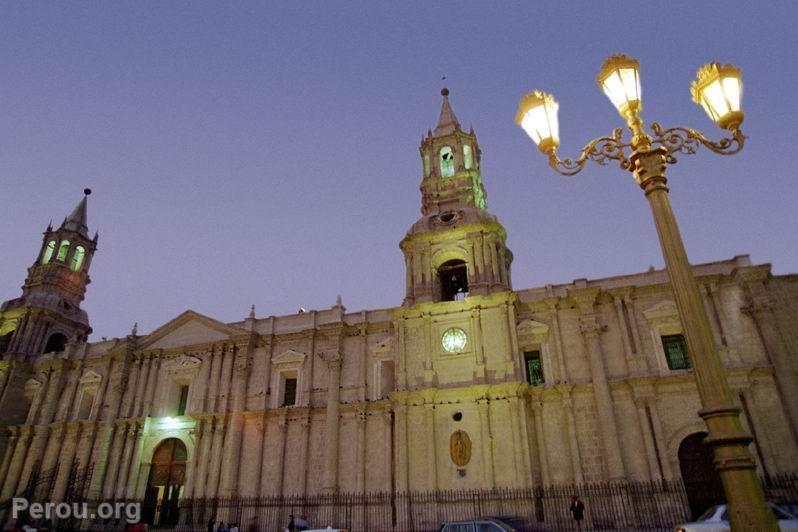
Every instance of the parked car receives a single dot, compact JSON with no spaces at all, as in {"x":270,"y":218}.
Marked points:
{"x":716,"y":519}
{"x":484,"y":524}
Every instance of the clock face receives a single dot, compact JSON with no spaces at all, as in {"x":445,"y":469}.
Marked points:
{"x":454,"y":340}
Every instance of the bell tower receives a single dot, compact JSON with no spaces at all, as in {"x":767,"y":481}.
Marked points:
{"x":456,"y":248}
{"x":48,"y":315}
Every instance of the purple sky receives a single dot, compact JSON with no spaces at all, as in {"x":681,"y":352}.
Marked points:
{"x":248,"y":153}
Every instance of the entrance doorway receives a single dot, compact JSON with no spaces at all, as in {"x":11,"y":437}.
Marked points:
{"x":702,"y":483}
{"x":165,"y":485}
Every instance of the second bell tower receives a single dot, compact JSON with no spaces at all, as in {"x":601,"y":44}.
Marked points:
{"x":456,"y":248}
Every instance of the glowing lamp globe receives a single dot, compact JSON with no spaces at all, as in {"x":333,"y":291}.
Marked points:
{"x":620,"y":80}
{"x":537,"y":115}
{"x":718,"y":89}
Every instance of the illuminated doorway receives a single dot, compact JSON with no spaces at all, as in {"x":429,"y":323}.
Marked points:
{"x":165,"y":485}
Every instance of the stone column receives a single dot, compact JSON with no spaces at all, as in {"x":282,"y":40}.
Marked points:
{"x":360,"y":418}
{"x":68,"y":450}
{"x":304,"y":451}
{"x":84,"y":445}
{"x":204,"y":446}
{"x":135,"y":464}
{"x":216,"y":456}
{"x":213,"y":390}
{"x":521,"y":458}
{"x":591,"y":330}
{"x":559,"y":367}
{"x":17,"y":461}
{"x":431,"y":438}
{"x":152,"y":386}
{"x":13,"y":437}
{"x":141,"y":386}
{"x":55,"y":438}
{"x":51,"y":393}
{"x":225,"y":384}
{"x":623,"y":331}
{"x":400,"y":440}
{"x":230,"y":465}
{"x":648,"y":438}
{"x":127,"y":455}
{"x":659,"y":438}
{"x":332,"y":420}
{"x":487,"y":443}
{"x":786,"y":377}
{"x":364,"y":358}
{"x":573,"y":442}
{"x":114,"y":458}
{"x":537,"y":409}
{"x":282,"y":436}
{"x":637,"y":343}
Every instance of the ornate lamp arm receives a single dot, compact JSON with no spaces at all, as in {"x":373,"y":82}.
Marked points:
{"x":599,"y":150}
{"x":687,"y":140}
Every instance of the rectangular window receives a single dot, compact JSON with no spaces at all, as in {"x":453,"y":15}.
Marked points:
{"x":181,"y":405}
{"x":387,"y":382}
{"x":534,"y":368}
{"x":86,"y":404}
{"x":289,"y":392}
{"x":675,"y":351}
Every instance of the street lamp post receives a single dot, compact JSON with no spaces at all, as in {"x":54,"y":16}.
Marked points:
{"x":718,"y":90}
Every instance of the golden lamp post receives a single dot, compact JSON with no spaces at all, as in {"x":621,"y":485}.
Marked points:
{"x":718,"y":89}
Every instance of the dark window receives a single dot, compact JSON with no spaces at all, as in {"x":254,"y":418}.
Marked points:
{"x":453,"y":277}
{"x":5,"y":341}
{"x":56,"y":343}
{"x":534,"y":368}
{"x":181,"y":405}
{"x":675,"y":351}
{"x":289,"y":396}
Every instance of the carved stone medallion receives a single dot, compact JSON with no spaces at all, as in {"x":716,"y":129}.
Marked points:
{"x":460,"y":448}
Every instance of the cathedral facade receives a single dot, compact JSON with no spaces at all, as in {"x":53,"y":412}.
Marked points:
{"x":468,"y":383}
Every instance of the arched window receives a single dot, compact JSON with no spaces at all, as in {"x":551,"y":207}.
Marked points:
{"x":48,"y":253}
{"x":426,"y":166}
{"x":468,"y":157}
{"x":77,"y":258}
{"x":447,"y":162}
{"x":56,"y":343}
{"x":453,"y":278}
{"x":63,"y":249}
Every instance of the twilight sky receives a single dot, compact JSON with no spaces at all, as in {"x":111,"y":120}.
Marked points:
{"x":267,"y":153}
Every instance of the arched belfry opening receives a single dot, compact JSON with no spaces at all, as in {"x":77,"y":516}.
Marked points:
{"x":453,"y":278}
{"x":701,"y":481}
{"x":165,"y":483}
{"x":55,"y":343}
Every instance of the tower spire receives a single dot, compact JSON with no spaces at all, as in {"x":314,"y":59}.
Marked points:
{"x":447,"y":122}
{"x":77,"y":221}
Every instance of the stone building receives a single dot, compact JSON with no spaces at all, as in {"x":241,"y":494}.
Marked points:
{"x":468,"y":383}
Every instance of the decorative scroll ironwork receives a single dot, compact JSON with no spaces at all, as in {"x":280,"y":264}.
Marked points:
{"x":687,"y":140}
{"x":599,"y":150}
{"x":676,"y":139}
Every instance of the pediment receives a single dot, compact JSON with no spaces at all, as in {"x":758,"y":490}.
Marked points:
{"x":31,"y":385}
{"x":663,"y":310}
{"x":532,"y":327}
{"x":289,"y":357}
{"x":90,"y":377}
{"x":190,"y":328}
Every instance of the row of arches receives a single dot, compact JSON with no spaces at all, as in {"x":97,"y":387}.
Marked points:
{"x":78,"y":256}
{"x":446,"y":161}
